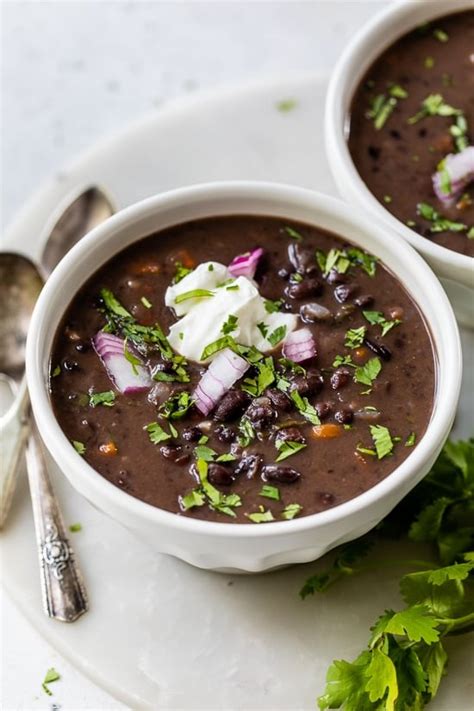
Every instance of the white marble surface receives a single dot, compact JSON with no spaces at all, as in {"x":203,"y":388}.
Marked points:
{"x":74,"y":71}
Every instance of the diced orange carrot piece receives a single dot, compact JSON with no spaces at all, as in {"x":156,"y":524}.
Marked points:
{"x":108,"y":449}
{"x":361,"y":353}
{"x":327,"y":431}
{"x":185,"y":258}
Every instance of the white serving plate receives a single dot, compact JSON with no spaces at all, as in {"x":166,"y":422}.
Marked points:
{"x":159,"y":633}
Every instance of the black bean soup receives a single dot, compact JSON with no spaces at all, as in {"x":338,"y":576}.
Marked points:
{"x":412,"y":128}
{"x":290,"y":437}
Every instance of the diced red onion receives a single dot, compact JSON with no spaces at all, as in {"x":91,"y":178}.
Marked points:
{"x":226,"y":368}
{"x":245,"y":264}
{"x":126,"y":377}
{"x":460,"y":169}
{"x":299,"y":345}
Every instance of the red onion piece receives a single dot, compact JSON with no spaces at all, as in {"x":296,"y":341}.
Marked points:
{"x":226,"y":368}
{"x":460,"y":168}
{"x":125,"y":377}
{"x":299,"y":345}
{"x":245,"y":264}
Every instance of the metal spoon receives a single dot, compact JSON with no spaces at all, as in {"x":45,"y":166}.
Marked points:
{"x":20,"y":283}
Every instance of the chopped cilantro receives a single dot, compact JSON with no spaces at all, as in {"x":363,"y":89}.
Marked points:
{"x":459,"y":132}
{"x":365,"y":450}
{"x":341,"y":260}
{"x":193,"y":294}
{"x":293,"y":233}
{"x":286,"y":449}
{"x":264,"y":378}
{"x":398,"y":91}
{"x":470,"y":234}
{"x":224,"y":503}
{"x":270,"y":492}
{"x":75,"y":527}
{"x":382,"y":440}
{"x":410,"y":440}
{"x":354,"y":337}
{"x":263,"y":328}
{"x":296,"y":278}
{"x":156,"y":433}
{"x":176,"y":406}
{"x":305,"y":408}
{"x":387,"y":199}
{"x":261,"y":516}
{"x":180,"y":272}
{"x":367,"y":373}
{"x":277,"y":335}
{"x":113,"y":305}
{"x":428,"y":62}
{"x":438,"y":222}
{"x":50,"y":677}
{"x":246,"y":432}
{"x":106,"y":398}
{"x":343,"y":360}
{"x":131,"y":358}
{"x":216,"y":346}
{"x":226,"y":457}
{"x":286,"y":105}
{"x":376,"y":318}
{"x":272,"y":307}
{"x":147,"y":304}
{"x":205,"y":453}
{"x":193,"y":499}
{"x":232,"y":287}
{"x":229,"y":325}
{"x":380,"y":110}
{"x":56,"y":371}
{"x":440,"y":35}
{"x":290,"y":511}
{"x":210,"y":267}
{"x":78,"y":446}
{"x":434,"y":105}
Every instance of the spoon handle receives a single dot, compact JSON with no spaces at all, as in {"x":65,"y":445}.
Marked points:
{"x":64,"y":596}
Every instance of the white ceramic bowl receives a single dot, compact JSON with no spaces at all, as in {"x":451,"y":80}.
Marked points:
{"x":228,"y":546}
{"x":455,"y":270}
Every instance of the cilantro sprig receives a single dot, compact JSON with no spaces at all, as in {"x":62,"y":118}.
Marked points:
{"x":438,"y":222}
{"x":405,"y":659}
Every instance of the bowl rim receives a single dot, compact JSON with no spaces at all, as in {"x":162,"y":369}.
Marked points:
{"x":444,"y":401}
{"x":360,"y":53}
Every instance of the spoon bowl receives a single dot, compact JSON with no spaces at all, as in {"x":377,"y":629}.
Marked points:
{"x":20,"y":286}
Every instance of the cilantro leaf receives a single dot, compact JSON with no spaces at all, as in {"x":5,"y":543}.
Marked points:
{"x":272,"y":307}
{"x":291,"y":511}
{"x":261,"y":516}
{"x":180,"y":272}
{"x":106,"y":398}
{"x":286,"y":449}
{"x":78,"y":446}
{"x":270,"y":492}
{"x":354,"y":337}
{"x":368,"y":372}
{"x":156,"y":433}
{"x":382,"y":439}
{"x":176,"y":406}
{"x":193,"y":294}
{"x":230,"y":325}
{"x":305,"y":408}
{"x":277,"y":335}
{"x":50,"y":677}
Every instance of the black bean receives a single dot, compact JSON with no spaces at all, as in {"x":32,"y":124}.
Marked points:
{"x":310,"y":313}
{"x":308,"y":384}
{"x":310,"y":286}
{"x":219,"y":475}
{"x":281,"y":475}
{"x":302,"y":259}
{"x":70,"y":365}
{"x":323,"y":409}
{"x":82,"y":346}
{"x":225,"y":433}
{"x":249,"y":465}
{"x":364,"y":300}
{"x":377,"y":348}
{"x":335,"y":277}
{"x":279,"y":399}
{"x":175,"y":453}
{"x":344,"y":292}
{"x":191,"y":434}
{"x":290,"y":434}
{"x":261,"y":413}
{"x":344,"y":416}
{"x":340,"y":378}
{"x":231,"y":405}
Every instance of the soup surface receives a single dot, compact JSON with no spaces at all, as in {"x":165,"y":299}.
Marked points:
{"x":412,"y":117}
{"x":255,"y":436}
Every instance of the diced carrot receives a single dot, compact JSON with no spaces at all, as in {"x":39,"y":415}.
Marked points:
{"x":185,"y":258}
{"x":327,"y":431}
{"x":361,"y":354}
{"x":108,"y":449}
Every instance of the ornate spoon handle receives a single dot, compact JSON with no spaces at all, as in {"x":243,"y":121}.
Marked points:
{"x":64,"y":596}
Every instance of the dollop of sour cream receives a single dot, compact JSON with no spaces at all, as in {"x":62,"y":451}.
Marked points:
{"x":229,"y":300}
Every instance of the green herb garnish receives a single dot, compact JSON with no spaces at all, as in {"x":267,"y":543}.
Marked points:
{"x":382,"y":439}
{"x":293,"y":233}
{"x":224,"y":503}
{"x":106,"y":398}
{"x":180,"y":272}
{"x":246,"y":432}
{"x":261,"y":516}
{"x":176,"y":406}
{"x":354,"y":337}
{"x":193,"y":294}
{"x":147,"y":304}
{"x":56,"y":371}
{"x":193,"y":499}
{"x":272,"y":307}
{"x":286,"y":105}
{"x":230,"y":325}
{"x":78,"y":446}
{"x":376,"y":318}
{"x":277,"y":335}
{"x":438,"y":222}
{"x":270,"y":492}
{"x":156,"y":433}
{"x":205,"y":453}
{"x":290,"y":511}
{"x":440,"y":35}
{"x":367,"y":373}
{"x":286,"y":449}
{"x":410,"y":440}
{"x":305,"y":408}
{"x":75,"y":527}
{"x":264,"y":378}
{"x":434,"y":105}
{"x":50,"y":677}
